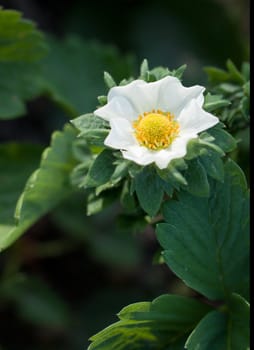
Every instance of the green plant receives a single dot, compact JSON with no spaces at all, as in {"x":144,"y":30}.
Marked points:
{"x":196,"y":202}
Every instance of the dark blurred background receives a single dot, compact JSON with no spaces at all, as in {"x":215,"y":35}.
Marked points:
{"x":70,"y":275}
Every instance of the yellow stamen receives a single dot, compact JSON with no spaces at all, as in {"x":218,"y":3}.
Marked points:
{"x":156,"y":130}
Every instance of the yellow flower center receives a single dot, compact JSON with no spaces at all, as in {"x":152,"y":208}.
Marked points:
{"x":156,"y":130}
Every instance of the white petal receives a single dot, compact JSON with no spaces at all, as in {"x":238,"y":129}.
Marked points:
{"x":140,"y":155}
{"x":121,"y":134}
{"x":141,"y":95}
{"x":117,"y":107}
{"x":178,"y":149}
{"x":193,"y":119}
{"x":173,"y":96}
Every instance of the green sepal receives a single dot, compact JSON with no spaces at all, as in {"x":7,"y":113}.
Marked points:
{"x":102,"y":100}
{"x":172,"y":174}
{"x":214,"y":102}
{"x":144,"y":69}
{"x":158,"y":73}
{"x":109,"y":81}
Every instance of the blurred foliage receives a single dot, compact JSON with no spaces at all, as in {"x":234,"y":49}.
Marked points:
{"x":62,"y":281}
{"x":72,"y":72}
{"x":36,"y":199}
{"x":22,"y":46}
{"x":234,"y":86}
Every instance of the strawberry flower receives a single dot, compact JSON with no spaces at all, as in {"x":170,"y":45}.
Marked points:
{"x":153,"y":122}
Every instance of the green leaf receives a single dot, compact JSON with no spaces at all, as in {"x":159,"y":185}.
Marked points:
{"x":92,"y":128}
{"x":19,"y":83}
{"x":149,"y":190}
{"x":17,"y":162}
{"x":160,"y":324}
{"x":213,"y":165}
{"x":172,"y":175}
{"x":196,"y":178}
{"x":21,"y":46}
{"x":216,"y":75}
{"x":246,"y":70}
{"x":213,"y":102}
{"x":239,"y":322}
{"x":73,"y":72}
{"x":203,"y":234}
{"x":179,"y":312}
{"x":235,"y":74}
{"x":19,"y":38}
{"x":127,"y":199}
{"x":223,"y":330}
{"x":46,"y":187}
{"x":95,"y":204}
{"x":223,"y":139}
{"x":209,"y":334}
{"x":101,"y":169}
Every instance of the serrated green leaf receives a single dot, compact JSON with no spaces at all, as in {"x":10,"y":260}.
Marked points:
{"x":89,"y":122}
{"x":101,"y":169}
{"x":149,"y":190}
{"x":223,"y":330}
{"x":19,"y":83}
{"x":203,"y":234}
{"x":197,"y":182}
{"x":92,"y":128}
{"x":161,"y":324}
{"x":46,"y":187}
{"x":21,"y":46}
{"x":19,"y":38}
